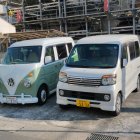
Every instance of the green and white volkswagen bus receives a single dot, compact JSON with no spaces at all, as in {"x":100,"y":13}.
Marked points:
{"x":29,"y":70}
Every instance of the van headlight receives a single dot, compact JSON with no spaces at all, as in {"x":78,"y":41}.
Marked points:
{"x":109,"y":80}
{"x":63,"y":77}
{"x":27,"y":83}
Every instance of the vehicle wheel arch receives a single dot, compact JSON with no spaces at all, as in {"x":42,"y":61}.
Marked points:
{"x":120,"y":92}
{"x":42,"y":94}
{"x":43,"y":85}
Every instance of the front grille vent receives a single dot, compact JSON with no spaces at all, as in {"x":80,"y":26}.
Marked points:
{"x":84,"y":81}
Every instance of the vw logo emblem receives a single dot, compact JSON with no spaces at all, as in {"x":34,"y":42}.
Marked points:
{"x":11,"y":82}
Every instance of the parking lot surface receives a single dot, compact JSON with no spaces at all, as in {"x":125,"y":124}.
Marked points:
{"x":49,"y":122}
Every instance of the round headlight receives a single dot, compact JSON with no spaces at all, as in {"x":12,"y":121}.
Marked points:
{"x":27,"y":83}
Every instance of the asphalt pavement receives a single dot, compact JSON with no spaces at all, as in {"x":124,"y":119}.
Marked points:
{"x":49,"y":122}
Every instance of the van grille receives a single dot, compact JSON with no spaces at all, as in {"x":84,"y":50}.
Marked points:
{"x":84,"y":81}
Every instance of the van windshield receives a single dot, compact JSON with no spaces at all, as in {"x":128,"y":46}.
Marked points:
{"x":94,"y":56}
{"x":23,"y":55}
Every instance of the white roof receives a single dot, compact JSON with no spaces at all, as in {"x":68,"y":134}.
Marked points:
{"x":42,"y":41}
{"x":100,"y":39}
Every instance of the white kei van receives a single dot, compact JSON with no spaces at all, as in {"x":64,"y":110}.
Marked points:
{"x":101,"y":71}
{"x":29,"y":71}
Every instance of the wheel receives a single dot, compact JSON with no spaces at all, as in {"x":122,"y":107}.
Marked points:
{"x":42,"y":95}
{"x":118,"y":105}
{"x":138,"y":85}
{"x":64,"y":107}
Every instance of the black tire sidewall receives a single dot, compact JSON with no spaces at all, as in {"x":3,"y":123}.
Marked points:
{"x":40,"y":102}
{"x":116,"y":113}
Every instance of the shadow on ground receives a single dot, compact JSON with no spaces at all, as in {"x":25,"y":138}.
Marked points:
{"x":51,"y":111}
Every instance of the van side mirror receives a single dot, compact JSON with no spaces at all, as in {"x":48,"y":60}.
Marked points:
{"x":124,"y":63}
{"x":48,"y":59}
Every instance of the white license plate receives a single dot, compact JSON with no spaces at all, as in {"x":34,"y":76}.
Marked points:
{"x":11,"y":100}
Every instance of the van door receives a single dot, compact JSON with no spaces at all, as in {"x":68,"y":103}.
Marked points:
{"x":125,"y":71}
{"x":62,"y":54}
{"x":134,"y":71}
{"x":50,"y":70}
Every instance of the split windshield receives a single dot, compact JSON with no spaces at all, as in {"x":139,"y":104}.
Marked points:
{"x":23,"y":55}
{"x":94,"y":56}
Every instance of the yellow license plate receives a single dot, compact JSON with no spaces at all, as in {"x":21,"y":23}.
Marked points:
{"x":83,"y":103}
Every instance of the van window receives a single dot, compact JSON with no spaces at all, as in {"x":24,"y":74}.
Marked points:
{"x":69,"y":46}
{"x":23,"y":55}
{"x":50,"y":52}
{"x":137,"y":49}
{"x":93,"y":56}
{"x":124,"y":52}
{"x":61,"y":50}
{"x":132,"y":50}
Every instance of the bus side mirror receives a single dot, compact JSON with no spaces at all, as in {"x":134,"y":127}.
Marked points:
{"x":48,"y":59}
{"x":124,"y":63}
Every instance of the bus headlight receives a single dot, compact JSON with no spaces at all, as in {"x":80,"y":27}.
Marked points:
{"x":109,"y":80}
{"x":27,"y":83}
{"x":63,"y":77}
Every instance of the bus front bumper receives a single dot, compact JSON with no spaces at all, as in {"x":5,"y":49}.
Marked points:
{"x":17,"y":99}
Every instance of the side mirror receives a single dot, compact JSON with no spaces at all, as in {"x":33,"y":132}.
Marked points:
{"x":124,"y":63}
{"x":48,"y":59}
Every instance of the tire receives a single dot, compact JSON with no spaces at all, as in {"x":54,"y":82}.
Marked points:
{"x":64,"y":107}
{"x":118,"y":105}
{"x":138,"y":85}
{"x":42,"y":95}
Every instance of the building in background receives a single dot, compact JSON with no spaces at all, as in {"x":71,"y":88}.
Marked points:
{"x":77,"y":18}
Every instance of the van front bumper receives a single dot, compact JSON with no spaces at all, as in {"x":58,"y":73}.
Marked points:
{"x":17,"y":99}
{"x":92,"y":94}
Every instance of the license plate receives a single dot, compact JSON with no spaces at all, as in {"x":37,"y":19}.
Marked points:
{"x":11,"y":100}
{"x":83,"y":103}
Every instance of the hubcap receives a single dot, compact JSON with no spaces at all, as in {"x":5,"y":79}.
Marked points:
{"x":43,"y":95}
{"x":118,"y":104}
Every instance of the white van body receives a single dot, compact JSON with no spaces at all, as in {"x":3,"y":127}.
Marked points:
{"x":27,"y":79}
{"x":86,"y":83}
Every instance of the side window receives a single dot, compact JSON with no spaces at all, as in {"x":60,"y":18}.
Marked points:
{"x":124,"y":52}
{"x":61,"y":50}
{"x":132,"y":50}
{"x":50,"y":52}
{"x":75,"y":56}
{"x":137,"y":48}
{"x":69,"y":46}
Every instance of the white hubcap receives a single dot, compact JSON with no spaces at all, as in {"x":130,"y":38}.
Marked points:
{"x":43,"y":95}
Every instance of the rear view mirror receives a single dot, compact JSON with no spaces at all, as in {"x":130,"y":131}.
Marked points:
{"x":48,"y":59}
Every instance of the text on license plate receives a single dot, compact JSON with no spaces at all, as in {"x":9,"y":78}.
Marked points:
{"x":83,"y":103}
{"x":11,"y":100}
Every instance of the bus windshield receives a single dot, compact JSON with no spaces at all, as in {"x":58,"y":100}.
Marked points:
{"x":23,"y":55}
{"x":94,"y":56}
